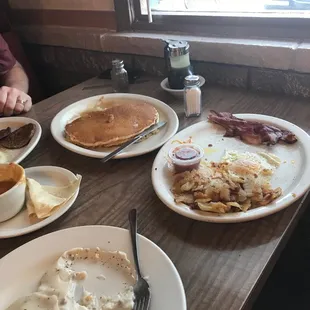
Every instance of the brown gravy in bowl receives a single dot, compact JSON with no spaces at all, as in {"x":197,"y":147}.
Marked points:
{"x":6,"y":185}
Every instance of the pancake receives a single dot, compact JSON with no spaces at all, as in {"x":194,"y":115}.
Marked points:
{"x":112,"y":126}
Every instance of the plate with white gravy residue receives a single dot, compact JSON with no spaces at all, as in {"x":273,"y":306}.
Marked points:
{"x":90,"y":266}
{"x":18,"y":154}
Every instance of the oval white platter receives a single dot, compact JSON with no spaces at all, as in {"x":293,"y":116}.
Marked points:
{"x":15,"y":122}
{"x":152,"y":143}
{"x":292,"y":175}
{"x":45,"y":175}
{"x":24,"y":267}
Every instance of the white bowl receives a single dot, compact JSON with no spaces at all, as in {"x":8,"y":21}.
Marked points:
{"x":178,"y":92}
{"x":12,"y":201}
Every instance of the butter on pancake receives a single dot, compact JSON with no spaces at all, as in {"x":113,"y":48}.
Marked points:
{"x":112,"y":126}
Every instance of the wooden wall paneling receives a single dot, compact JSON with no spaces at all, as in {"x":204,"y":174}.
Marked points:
{"x":100,"y":19}
{"x":90,"y":5}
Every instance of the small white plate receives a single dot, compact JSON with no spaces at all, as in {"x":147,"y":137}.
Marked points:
{"x":178,"y":92}
{"x":23,"y":268}
{"x":152,"y":143}
{"x":292,"y":175}
{"x":18,"y":155}
{"x":45,"y":175}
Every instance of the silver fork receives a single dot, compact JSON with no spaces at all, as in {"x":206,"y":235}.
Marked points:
{"x":141,"y":288}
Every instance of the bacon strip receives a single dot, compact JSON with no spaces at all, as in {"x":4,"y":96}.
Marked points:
{"x":251,"y":132}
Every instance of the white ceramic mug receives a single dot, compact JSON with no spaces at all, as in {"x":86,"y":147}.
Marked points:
{"x":13,"y":200}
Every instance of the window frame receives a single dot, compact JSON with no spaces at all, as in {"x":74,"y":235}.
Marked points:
{"x":235,"y":25}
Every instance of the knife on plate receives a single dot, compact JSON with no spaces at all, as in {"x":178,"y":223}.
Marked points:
{"x":134,"y":140}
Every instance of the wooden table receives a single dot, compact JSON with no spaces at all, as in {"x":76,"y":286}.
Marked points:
{"x":223,"y":266}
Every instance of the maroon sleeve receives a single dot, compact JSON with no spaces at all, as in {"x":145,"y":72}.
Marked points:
{"x":7,"y":60}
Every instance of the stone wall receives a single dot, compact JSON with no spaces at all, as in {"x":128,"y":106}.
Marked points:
{"x":60,"y":67}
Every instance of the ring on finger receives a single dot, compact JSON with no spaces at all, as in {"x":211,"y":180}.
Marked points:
{"x":22,"y":101}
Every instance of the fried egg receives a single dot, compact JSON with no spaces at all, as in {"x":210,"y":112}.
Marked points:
{"x":254,"y":161}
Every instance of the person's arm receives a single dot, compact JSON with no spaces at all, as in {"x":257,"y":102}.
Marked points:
{"x":16,"y":78}
{"x":14,"y":82}
{"x":13,"y":95}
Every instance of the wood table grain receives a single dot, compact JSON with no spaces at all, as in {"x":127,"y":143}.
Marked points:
{"x":223,"y":266}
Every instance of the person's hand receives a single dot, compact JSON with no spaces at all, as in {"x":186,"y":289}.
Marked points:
{"x":13,"y":101}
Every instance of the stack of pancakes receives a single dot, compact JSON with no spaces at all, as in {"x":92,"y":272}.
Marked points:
{"x":112,"y":126}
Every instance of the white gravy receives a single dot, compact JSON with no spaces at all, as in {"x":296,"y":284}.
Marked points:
{"x":60,"y":285}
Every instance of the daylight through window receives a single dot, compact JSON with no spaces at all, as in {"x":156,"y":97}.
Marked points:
{"x":201,"y":7}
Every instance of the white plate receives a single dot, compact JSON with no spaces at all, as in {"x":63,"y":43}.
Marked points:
{"x":23,"y":268}
{"x":18,"y":155}
{"x":45,"y":175}
{"x":178,"y":92}
{"x":292,"y":176}
{"x":74,"y":110}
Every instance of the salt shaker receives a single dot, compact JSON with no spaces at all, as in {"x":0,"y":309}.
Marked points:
{"x":192,"y":96}
{"x":119,"y":77}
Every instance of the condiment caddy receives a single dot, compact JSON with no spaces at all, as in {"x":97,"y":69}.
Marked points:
{"x":181,"y":80}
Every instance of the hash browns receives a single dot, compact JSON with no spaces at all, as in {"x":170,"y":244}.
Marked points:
{"x":225,"y":187}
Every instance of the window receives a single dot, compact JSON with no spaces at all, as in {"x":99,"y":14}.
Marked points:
{"x":198,"y":7}
{"x":232,"y":18}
